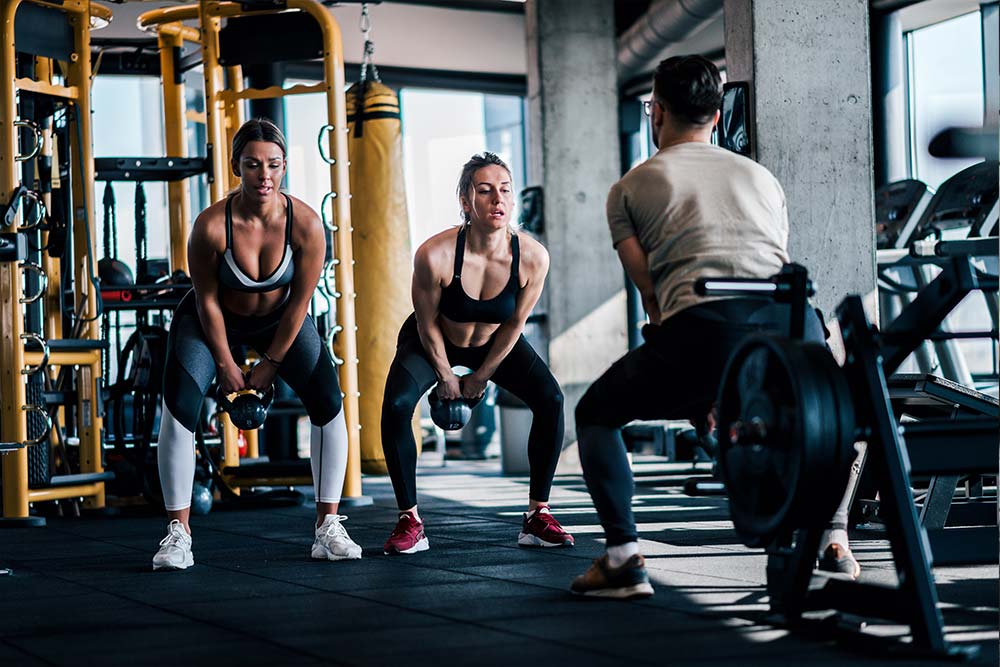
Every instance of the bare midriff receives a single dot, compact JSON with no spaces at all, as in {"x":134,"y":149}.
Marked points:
{"x":249,"y":304}
{"x":466,"y":334}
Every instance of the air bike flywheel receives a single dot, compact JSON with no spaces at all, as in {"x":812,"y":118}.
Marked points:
{"x":786,"y":437}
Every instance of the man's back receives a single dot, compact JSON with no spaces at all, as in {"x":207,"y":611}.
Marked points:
{"x":700,"y":211}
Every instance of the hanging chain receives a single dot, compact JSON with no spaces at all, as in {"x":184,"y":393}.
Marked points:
{"x":366,"y":20}
{"x":368,"y":59}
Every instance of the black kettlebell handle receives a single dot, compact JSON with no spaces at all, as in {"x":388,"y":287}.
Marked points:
{"x":471,"y":402}
{"x":266,"y":398}
{"x":223,"y":400}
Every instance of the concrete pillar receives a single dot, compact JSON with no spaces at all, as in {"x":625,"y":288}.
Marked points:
{"x":809,"y":67}
{"x":573,"y":153}
{"x":888,"y":97}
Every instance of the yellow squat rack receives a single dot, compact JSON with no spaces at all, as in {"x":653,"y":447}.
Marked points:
{"x":23,"y":354}
{"x":224,"y":94}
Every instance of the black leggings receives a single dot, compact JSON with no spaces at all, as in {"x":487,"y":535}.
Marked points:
{"x":190,"y":369}
{"x":675,"y":374}
{"x":522,"y":373}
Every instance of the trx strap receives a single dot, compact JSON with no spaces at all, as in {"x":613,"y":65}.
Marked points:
{"x":140,"y":233}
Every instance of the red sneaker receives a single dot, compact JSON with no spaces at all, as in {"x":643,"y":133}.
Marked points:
{"x":542,"y":530}
{"x":407,"y":537}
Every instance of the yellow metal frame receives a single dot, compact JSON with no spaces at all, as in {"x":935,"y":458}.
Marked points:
{"x":50,"y":266}
{"x":234,"y":117}
{"x":223,"y":115}
{"x":178,"y":192}
{"x":13,"y":357}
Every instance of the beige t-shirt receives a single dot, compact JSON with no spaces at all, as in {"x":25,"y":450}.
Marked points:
{"x":698,"y":211}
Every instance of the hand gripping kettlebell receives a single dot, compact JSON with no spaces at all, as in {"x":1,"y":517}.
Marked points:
{"x":249,"y":409}
{"x":451,"y":414}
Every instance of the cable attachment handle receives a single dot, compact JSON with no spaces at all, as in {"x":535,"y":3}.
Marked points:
{"x":328,"y":339}
{"x":322,"y":151}
{"x":43,"y":282}
{"x":42,"y":343}
{"x":328,"y":222}
{"x":33,"y":126}
{"x":329,"y":284}
{"x":38,"y":207}
{"x":48,"y":424}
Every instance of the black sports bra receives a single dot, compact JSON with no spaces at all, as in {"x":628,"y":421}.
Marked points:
{"x":231,"y":276}
{"x":458,"y":306}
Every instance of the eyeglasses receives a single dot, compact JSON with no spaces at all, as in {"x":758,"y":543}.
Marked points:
{"x":647,"y":106}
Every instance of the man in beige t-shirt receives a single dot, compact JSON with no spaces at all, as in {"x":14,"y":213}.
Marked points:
{"x":696,"y":211}
{"x":691,"y":211}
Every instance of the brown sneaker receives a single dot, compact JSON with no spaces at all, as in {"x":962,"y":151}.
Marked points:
{"x":625,"y":582}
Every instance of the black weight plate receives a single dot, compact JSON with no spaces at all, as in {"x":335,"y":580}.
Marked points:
{"x":828,"y":446}
{"x":786,"y":428}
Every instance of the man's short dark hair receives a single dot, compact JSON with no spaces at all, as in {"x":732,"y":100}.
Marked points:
{"x":690,"y":88}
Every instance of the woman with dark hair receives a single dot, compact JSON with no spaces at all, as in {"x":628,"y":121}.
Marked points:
{"x":473,"y":288}
{"x":255,"y":259}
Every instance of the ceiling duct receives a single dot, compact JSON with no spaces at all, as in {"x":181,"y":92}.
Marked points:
{"x":666,"y":22}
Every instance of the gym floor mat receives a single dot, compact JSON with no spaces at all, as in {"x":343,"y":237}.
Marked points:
{"x":83,"y":591}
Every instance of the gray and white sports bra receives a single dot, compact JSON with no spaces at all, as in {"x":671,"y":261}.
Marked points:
{"x":231,"y":276}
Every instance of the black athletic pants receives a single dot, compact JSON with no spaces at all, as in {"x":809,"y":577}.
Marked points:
{"x":675,"y":374}
{"x":522,"y":373}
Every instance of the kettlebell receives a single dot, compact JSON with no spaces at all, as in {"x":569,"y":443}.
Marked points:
{"x":249,"y":409}
{"x":114,"y":273}
{"x":451,"y":414}
{"x":201,"y":499}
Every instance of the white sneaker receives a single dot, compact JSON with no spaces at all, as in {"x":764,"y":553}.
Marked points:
{"x":332,"y":541}
{"x":175,"y":549}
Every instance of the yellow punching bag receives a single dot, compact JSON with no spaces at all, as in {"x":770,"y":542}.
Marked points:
{"x":383,"y":263}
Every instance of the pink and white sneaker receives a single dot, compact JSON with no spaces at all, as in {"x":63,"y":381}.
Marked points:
{"x":542,"y":530}
{"x":407,"y":537}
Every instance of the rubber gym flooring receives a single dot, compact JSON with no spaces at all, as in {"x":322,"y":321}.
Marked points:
{"x":82,"y":592}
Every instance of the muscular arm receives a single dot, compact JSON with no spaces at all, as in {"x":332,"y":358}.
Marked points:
{"x":309,"y":250}
{"x":633,"y":258}
{"x":426,"y":292}
{"x":204,"y":251}
{"x":308,"y":259}
{"x":535,"y":264}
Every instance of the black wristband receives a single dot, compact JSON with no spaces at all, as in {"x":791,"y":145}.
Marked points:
{"x":269,"y":359}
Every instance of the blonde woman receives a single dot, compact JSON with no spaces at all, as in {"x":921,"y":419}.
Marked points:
{"x":473,"y":289}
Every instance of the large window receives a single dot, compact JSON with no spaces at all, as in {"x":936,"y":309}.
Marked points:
{"x":308,"y":176}
{"x":128,"y":121}
{"x":945,"y":87}
{"x":441,"y":130}
{"x":945,"y":84}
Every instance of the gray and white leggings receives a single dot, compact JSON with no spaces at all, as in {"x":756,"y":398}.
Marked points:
{"x":190,"y":370}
